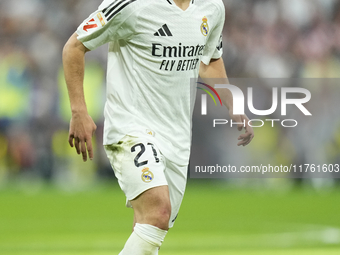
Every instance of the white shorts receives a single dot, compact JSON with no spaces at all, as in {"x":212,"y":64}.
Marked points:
{"x":139,"y":165}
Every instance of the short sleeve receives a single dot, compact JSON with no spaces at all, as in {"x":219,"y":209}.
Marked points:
{"x":213,"y":49}
{"x":113,"y":20}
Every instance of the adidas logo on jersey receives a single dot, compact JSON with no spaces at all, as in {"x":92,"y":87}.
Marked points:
{"x":163,"y":31}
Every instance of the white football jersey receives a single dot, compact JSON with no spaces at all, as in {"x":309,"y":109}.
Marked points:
{"x":154,"y":49}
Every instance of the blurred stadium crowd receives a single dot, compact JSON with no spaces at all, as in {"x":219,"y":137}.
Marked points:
{"x":262,"y":38}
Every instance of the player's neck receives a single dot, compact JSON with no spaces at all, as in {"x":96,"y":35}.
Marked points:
{"x":183,"y":4}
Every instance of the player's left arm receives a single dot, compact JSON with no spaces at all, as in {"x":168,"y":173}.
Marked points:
{"x":216,"y":69}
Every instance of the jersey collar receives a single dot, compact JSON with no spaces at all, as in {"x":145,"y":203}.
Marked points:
{"x":172,"y":1}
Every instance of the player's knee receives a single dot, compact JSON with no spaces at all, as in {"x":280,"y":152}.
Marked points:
{"x":161,"y":216}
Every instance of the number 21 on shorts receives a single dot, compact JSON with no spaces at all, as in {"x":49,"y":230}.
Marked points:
{"x":142,"y":148}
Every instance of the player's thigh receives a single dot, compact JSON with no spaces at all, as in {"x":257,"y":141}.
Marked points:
{"x":153,"y":207}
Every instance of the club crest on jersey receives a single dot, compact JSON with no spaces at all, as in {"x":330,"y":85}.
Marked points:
{"x":147,"y":175}
{"x":204,"y":26}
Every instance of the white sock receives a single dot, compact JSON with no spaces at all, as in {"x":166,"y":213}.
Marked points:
{"x":144,"y":240}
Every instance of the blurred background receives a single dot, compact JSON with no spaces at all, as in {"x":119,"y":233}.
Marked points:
{"x":262,"y":38}
{"x":272,"y":39}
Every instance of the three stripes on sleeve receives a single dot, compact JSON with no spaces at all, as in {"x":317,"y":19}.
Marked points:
{"x":115,"y":7}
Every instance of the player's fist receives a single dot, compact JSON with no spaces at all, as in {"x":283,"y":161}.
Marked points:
{"x":81,"y":131}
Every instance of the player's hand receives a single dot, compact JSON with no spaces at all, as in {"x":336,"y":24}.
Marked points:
{"x":245,"y":138}
{"x":81,"y":131}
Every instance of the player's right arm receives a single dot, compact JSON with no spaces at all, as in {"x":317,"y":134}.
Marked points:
{"x":113,"y":20}
{"x":82,"y":126}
